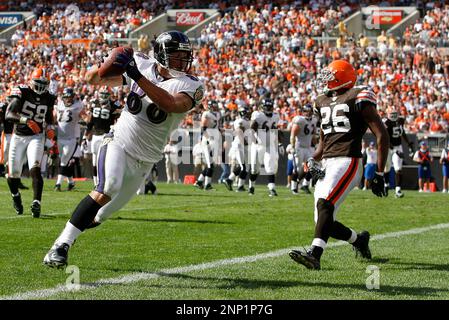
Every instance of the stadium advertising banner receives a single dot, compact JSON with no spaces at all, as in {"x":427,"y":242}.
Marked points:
{"x":184,"y":18}
{"x":8,"y":20}
{"x":383,"y":17}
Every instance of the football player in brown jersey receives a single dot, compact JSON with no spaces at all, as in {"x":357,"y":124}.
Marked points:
{"x":345,"y":113}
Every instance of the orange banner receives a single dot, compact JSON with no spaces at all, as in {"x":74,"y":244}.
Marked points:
{"x":75,"y":42}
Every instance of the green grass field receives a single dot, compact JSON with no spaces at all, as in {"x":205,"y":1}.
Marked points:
{"x":192,"y":244}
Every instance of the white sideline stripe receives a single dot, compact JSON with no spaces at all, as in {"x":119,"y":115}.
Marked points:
{"x":135,"y":277}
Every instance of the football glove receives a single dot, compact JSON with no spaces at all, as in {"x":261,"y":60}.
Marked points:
{"x":33,"y":126}
{"x":411,"y":149}
{"x":314,"y":169}
{"x":128,"y":63}
{"x":378,"y":185}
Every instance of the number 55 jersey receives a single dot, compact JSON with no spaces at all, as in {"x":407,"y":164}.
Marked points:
{"x":341,"y":120}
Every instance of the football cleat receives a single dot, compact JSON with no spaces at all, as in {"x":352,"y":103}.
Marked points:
{"x":199,"y":184}
{"x":251,"y":191}
{"x":57,"y":256}
{"x":228,"y":184}
{"x":150,"y":187}
{"x":70,"y":187}
{"x":272,"y":193}
{"x":305,"y":189}
{"x":240,"y":189}
{"x":22,"y":186}
{"x":305,"y":258}
{"x":399,"y":194}
{"x":36,"y":209}
{"x":208,"y":187}
{"x":361,"y":246}
{"x":295,"y":191}
{"x":17,"y":203}
{"x":57,"y":187}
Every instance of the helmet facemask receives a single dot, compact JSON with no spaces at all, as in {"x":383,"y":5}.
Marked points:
{"x":39,"y":86}
{"x":174,"y":62}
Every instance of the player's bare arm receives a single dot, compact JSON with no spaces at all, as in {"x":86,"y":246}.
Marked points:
{"x":319,"y":149}
{"x":293,"y":133}
{"x":372,"y":118}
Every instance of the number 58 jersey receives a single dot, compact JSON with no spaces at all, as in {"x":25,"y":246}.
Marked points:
{"x":143,"y":128}
{"x":341,"y":121}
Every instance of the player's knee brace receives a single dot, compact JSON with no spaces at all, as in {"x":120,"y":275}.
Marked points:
{"x":271,"y":178}
{"x":210,"y":171}
{"x":237,"y":170}
{"x":243,"y":173}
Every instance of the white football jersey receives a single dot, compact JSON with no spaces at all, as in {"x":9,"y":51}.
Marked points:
{"x":213,"y":118}
{"x":263,"y":123}
{"x":143,"y":128}
{"x":241,"y":124}
{"x":68,"y":120}
{"x":307,"y":128}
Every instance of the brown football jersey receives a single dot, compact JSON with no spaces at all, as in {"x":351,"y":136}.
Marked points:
{"x":341,"y":121}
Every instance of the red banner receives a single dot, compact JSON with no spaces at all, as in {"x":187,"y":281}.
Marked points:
{"x":382,"y":17}
{"x":189,"y":18}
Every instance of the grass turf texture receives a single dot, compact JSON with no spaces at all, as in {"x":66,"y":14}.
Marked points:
{"x":183,"y":226}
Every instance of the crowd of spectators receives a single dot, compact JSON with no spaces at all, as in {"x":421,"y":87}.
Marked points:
{"x":253,"y":49}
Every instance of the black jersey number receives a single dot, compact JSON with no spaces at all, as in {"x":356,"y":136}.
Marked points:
{"x":335,"y":119}
{"x":34,"y":112}
{"x":155,"y":114}
{"x":65,"y":116}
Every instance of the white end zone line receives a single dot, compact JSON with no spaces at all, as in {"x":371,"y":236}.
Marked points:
{"x":135,"y":277}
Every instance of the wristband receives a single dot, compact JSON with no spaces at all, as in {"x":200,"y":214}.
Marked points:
{"x":380,"y":173}
{"x":23,"y":120}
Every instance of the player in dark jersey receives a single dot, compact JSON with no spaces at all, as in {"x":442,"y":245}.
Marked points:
{"x":396,"y":132}
{"x":103,"y":114}
{"x":345,"y":113}
{"x":31,"y":111}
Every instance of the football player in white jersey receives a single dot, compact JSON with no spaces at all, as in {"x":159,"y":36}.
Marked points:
{"x":210,"y":138}
{"x":31,"y":111}
{"x":301,"y":135}
{"x":68,"y":113}
{"x":237,"y":151}
{"x":265,"y":147}
{"x":161,"y":93}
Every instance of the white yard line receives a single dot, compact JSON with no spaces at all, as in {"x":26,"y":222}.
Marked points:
{"x":135,"y":277}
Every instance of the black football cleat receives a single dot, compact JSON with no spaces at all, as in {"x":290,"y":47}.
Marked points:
{"x":272,"y":193}
{"x":70,"y":187}
{"x":228,"y":184}
{"x":240,"y":189}
{"x":57,"y":187}
{"x":57,"y":256}
{"x":17,"y":203}
{"x":199,"y":184}
{"x":361,"y":246}
{"x":150,"y":187}
{"x":251,"y":191}
{"x":305,"y":258}
{"x":21,"y":186}
{"x":36,"y":209}
{"x":306,"y":189}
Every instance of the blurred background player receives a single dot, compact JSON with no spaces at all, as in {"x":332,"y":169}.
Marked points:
{"x":396,"y":132}
{"x":68,"y":113}
{"x":210,"y":139}
{"x":237,"y":151}
{"x":444,"y":161}
{"x":31,"y":111}
{"x":424,"y":158}
{"x":5,"y":141}
{"x":264,"y":148}
{"x":171,"y":151}
{"x":371,"y":163}
{"x":302,"y":132}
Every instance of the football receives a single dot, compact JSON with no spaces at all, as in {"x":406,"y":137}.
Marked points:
{"x":107,"y":69}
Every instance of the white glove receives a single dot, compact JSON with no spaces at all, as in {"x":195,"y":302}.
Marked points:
{"x":281,"y":149}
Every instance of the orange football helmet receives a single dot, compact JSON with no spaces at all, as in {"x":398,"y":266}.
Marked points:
{"x":39,"y":80}
{"x":340,"y":74}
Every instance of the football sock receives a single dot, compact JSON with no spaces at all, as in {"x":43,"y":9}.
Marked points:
{"x":60,"y":179}
{"x":13,"y":184}
{"x":325,"y":221}
{"x":85,"y":213}
{"x":38,"y":183}
{"x":341,"y":232}
{"x":68,"y":235}
{"x":208,"y":180}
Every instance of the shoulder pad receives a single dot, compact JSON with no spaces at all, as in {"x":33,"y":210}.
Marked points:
{"x":366,"y":94}
{"x":192,"y":77}
{"x":16,"y":92}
